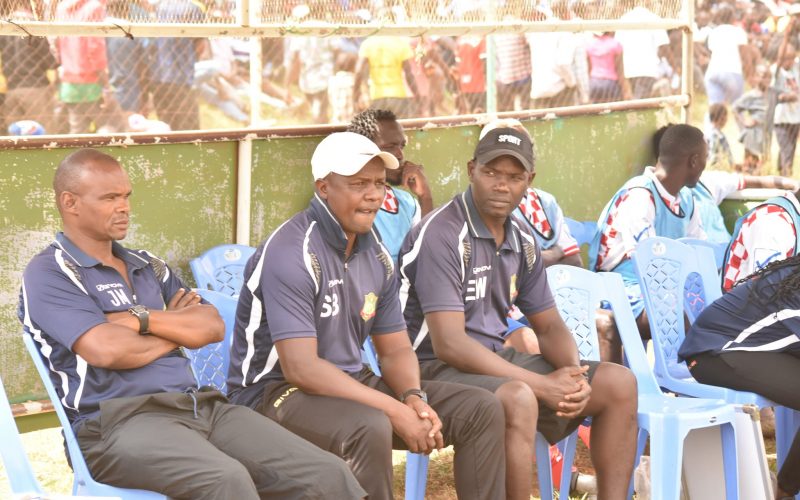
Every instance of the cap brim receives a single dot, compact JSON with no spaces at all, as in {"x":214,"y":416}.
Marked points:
{"x":497,"y":153}
{"x":353,"y":164}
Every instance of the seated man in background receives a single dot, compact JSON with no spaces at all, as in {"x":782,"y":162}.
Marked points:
{"x":747,"y":340}
{"x":716,"y":185}
{"x":767,"y":233}
{"x":464,"y":267}
{"x":400,"y":209}
{"x":657,"y":203}
{"x":110,"y":322}
{"x":316,"y":289}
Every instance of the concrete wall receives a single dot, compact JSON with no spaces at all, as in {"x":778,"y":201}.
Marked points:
{"x":184,"y":194}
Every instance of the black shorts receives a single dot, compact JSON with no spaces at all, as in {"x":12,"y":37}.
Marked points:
{"x":553,"y":427}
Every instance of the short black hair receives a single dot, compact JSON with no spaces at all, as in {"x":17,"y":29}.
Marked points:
{"x":656,"y":140}
{"x":73,"y":165}
{"x":366,"y":122}
{"x":679,"y":141}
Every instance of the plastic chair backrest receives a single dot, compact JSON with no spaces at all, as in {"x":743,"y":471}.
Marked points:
{"x":210,"y":362}
{"x":694,"y":292}
{"x":83,"y":483}
{"x":578,"y":293}
{"x":583,"y":232}
{"x":18,"y":469}
{"x":221,"y":268}
{"x":717,"y":248}
{"x":663,"y":266}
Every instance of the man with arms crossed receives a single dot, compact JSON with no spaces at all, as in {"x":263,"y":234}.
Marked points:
{"x":463,"y":267}
{"x":314,"y":291}
{"x":110,"y":323}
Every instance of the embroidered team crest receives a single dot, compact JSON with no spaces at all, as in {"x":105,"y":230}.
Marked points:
{"x":370,"y":302}
{"x":390,"y":203}
{"x":513,"y":292}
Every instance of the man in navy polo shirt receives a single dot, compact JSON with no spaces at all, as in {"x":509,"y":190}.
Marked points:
{"x":110,"y":322}
{"x":462,"y":268}
{"x":315,"y":290}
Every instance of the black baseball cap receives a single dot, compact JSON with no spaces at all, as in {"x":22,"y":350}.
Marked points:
{"x":505,"y":141}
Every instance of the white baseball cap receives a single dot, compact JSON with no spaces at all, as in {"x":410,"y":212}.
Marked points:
{"x":345,"y":153}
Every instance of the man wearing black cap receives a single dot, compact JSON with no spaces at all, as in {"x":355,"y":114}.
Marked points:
{"x":462,"y":268}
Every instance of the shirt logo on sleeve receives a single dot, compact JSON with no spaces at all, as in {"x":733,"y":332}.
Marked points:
{"x":370,"y":303}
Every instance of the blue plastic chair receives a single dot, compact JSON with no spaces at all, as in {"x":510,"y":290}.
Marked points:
{"x":210,"y":362}
{"x":583,"y":232}
{"x":20,"y":474}
{"x":663,"y":266}
{"x":667,"y":420}
{"x":221,"y":268}
{"x":83,"y":484}
{"x":417,"y":465}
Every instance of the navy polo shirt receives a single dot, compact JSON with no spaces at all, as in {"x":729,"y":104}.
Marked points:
{"x":738,"y":322}
{"x":450,"y":262}
{"x":65,"y":293}
{"x":298,"y":284}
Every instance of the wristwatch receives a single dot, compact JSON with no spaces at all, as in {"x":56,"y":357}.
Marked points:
{"x":414,"y":392}
{"x":143,"y":315}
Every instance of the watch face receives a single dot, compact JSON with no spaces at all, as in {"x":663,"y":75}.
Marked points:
{"x":138,"y":309}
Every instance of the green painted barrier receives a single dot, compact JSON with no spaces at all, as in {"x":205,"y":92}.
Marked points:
{"x":184,"y":194}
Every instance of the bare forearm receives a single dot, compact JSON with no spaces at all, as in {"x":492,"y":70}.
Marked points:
{"x":572,"y":260}
{"x":770,"y":181}
{"x":319,"y":377}
{"x":116,"y":347}
{"x":426,"y":204}
{"x":559,"y":350}
{"x":552,"y":255}
{"x":400,"y":370}
{"x":192,"y":326}
{"x":467,"y":355}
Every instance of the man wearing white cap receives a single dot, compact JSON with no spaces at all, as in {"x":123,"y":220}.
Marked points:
{"x":315,"y":289}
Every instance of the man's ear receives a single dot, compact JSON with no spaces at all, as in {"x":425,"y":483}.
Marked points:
{"x":470,"y":168}
{"x":322,"y":188}
{"x":68,"y":201}
{"x":530,"y":181}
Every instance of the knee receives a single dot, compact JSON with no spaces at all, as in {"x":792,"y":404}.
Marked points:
{"x":519,"y":404}
{"x":229,"y":476}
{"x":616,"y":385}
{"x":371,"y":429}
{"x":606,"y":327}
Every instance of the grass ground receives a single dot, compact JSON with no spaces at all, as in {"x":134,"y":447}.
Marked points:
{"x":45,"y":452}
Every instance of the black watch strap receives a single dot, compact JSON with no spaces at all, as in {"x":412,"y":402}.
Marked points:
{"x":143,"y":315}
{"x":414,"y":392}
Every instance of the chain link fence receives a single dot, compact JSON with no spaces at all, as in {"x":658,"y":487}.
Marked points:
{"x":106,"y":84}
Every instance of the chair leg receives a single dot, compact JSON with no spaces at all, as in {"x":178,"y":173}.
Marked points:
{"x":666,"y":459}
{"x":728,"y":434}
{"x":543,"y":469}
{"x":416,"y":476}
{"x":641,"y":440}
{"x":567,"y":446}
